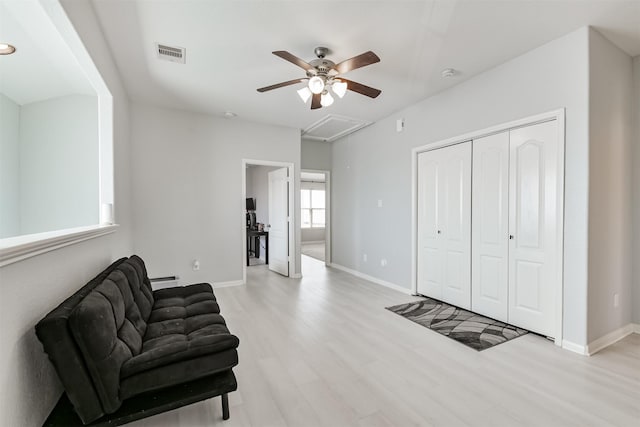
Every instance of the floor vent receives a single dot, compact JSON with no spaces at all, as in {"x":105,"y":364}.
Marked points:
{"x":171,"y":53}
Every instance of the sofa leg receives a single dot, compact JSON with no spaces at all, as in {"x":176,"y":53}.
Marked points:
{"x":225,"y":406}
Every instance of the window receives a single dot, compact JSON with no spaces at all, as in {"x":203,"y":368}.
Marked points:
{"x":312,"y":203}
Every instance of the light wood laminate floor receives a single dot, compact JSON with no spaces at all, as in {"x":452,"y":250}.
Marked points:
{"x":323,"y":351}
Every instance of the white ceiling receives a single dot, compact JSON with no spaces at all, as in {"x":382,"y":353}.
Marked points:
{"x":229,"y":45}
{"x":42,"y":67}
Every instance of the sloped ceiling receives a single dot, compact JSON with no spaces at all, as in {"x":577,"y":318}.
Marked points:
{"x":42,"y":67}
{"x":229,"y":45}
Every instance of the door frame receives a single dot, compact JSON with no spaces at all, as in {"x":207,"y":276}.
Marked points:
{"x":327,"y":213}
{"x":293,"y":249}
{"x":559,"y":116}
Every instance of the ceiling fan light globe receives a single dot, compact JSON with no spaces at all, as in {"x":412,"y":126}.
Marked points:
{"x":326,"y":99}
{"x":339,"y":88}
{"x":305,"y":94}
{"x":316,"y":85}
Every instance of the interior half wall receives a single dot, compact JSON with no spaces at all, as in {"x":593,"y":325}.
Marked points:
{"x":33,"y":287}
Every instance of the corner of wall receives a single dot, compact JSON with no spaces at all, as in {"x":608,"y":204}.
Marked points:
{"x":610,"y":262}
{"x":636,"y":191}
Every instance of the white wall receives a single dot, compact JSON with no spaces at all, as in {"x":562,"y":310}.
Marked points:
{"x":636,"y":190}
{"x":187,"y":186}
{"x":33,"y":287}
{"x":316,"y":155}
{"x":59,"y":164}
{"x":9,"y":167}
{"x":375,"y":163}
{"x":610,"y":193}
{"x":316,"y":234}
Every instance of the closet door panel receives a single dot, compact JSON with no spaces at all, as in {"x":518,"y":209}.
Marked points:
{"x":456,"y":224}
{"x":430,"y":270}
{"x":490,"y":226}
{"x":532,"y":224}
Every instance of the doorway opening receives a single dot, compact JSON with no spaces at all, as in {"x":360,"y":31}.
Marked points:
{"x":268,"y":216}
{"x":315,"y":218}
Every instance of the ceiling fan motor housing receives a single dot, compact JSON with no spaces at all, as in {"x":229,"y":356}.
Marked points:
{"x":321,"y":66}
{"x":321,"y":52}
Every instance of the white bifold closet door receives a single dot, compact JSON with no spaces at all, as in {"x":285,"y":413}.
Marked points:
{"x":490,"y":225}
{"x":444,"y":224}
{"x":533,"y":219}
{"x":515,"y":217}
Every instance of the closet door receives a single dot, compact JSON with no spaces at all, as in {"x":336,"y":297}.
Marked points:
{"x":429,"y":261}
{"x":455,"y":224}
{"x":490,"y":226}
{"x":533,"y":213}
{"x":444,"y":224}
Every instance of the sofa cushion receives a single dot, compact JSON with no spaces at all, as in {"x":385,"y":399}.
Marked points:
{"x":106,"y":341}
{"x":54,"y":333}
{"x":183,"y":301}
{"x":139,"y":284}
{"x":181,"y":326}
{"x":177,"y":373}
{"x":109,"y":324}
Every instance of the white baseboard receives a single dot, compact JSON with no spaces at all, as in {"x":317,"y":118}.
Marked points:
{"x":636,"y":328}
{"x":228,"y":284}
{"x":312,"y":241}
{"x":296,"y":276}
{"x":611,"y":338}
{"x":370,"y":278}
{"x":576,"y":348}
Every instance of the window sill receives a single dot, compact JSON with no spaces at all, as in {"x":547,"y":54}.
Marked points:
{"x":14,"y":249}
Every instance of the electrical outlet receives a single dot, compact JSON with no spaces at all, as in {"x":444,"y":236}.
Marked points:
{"x":383,"y":262}
{"x":196,"y":265}
{"x":616,"y":300}
{"x":364,"y":257}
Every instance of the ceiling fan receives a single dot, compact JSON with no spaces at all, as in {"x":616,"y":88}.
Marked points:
{"x":323,"y":74}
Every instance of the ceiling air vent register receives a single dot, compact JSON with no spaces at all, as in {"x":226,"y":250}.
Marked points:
{"x":171,"y":53}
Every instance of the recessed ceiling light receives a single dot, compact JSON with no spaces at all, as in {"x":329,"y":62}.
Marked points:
{"x":6,"y":49}
{"x":229,"y":115}
{"x":449,"y":72}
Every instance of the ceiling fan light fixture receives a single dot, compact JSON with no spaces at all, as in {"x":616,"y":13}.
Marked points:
{"x":316,"y":84}
{"x":6,"y":49}
{"x":305,"y":94}
{"x":339,"y":88}
{"x":326,"y":99}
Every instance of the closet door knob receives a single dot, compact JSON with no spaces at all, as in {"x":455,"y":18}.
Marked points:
{"x":510,"y":236}
{"x":439,"y":232}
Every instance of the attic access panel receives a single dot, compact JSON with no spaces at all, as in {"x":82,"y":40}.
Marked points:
{"x":332,"y":127}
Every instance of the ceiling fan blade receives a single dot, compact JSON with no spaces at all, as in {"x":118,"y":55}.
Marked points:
{"x":315,"y":101}
{"x":362,"y":89}
{"x":359,"y":61}
{"x":283,"y":84}
{"x":293,"y":59}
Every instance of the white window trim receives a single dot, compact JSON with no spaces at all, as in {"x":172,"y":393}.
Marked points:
{"x":311,"y":208}
{"x":14,"y":249}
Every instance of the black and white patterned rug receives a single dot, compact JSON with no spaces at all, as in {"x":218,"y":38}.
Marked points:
{"x":473,"y":330}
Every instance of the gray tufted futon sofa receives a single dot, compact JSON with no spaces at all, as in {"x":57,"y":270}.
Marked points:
{"x":115,"y":340}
